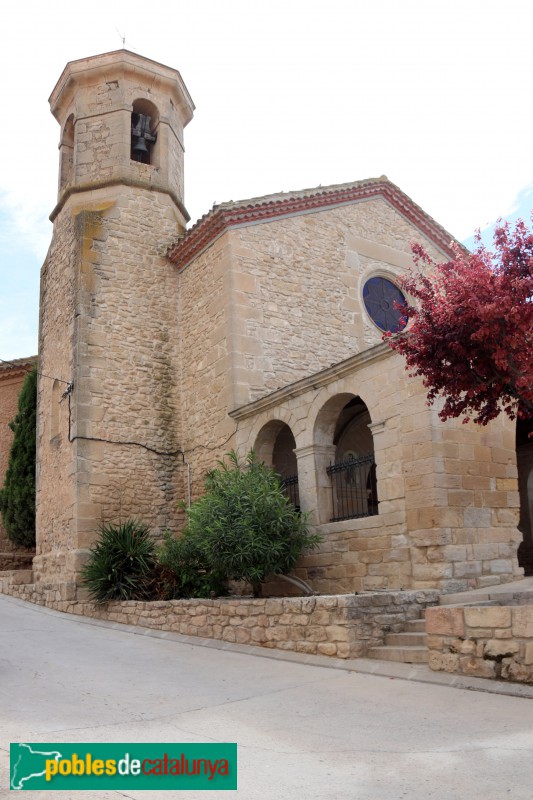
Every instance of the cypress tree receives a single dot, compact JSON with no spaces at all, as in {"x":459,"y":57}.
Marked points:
{"x":17,"y":497}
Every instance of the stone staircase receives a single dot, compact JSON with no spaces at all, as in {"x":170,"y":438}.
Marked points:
{"x":409,"y":646}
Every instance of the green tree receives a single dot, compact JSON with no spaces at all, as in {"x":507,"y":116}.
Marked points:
{"x":470,"y":332}
{"x":244,"y":526}
{"x":17,"y":497}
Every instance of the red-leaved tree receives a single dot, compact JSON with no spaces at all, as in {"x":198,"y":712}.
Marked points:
{"x":470,"y":327}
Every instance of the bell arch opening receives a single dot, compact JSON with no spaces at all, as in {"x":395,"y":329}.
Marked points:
{"x":66,"y":148}
{"x":144,"y":127}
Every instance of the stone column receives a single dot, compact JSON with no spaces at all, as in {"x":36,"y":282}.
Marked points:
{"x":313,"y":481}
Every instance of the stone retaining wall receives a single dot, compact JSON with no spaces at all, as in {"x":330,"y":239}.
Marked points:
{"x":333,"y":625}
{"x":16,"y":559}
{"x":485,"y":641}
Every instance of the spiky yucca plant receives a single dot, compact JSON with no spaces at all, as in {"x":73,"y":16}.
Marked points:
{"x":121,"y":564}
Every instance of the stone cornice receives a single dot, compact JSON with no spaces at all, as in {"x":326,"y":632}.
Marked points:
{"x":316,"y":381}
{"x":119,"y":181}
{"x":271,"y":207}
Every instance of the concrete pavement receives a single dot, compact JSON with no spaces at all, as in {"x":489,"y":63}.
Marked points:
{"x":303,"y":730}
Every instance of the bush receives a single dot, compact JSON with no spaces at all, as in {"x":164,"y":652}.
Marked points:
{"x":121,"y":564}
{"x":245,"y":527}
{"x":183,"y":572}
{"x":17,"y":498}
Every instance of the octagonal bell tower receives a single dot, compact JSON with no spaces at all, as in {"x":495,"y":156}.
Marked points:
{"x":101,"y":103}
{"x":109,"y":430}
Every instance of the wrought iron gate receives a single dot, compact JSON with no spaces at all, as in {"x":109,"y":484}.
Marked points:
{"x":354,"y":488}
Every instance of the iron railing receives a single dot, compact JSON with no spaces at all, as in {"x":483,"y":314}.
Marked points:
{"x":290,"y":487}
{"x":354,"y":488}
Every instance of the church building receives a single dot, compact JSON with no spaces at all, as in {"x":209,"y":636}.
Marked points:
{"x":163,"y":346}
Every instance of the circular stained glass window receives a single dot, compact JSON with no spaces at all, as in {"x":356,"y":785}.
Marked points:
{"x":382,"y":298}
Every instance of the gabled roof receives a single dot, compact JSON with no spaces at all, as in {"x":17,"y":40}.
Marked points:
{"x":276,"y":206}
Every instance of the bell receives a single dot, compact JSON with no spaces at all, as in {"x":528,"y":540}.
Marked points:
{"x":140,"y":149}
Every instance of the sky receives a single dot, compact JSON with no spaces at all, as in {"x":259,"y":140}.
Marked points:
{"x":289,"y":95}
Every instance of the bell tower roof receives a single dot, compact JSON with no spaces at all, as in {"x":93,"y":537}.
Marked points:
{"x":108,"y":67}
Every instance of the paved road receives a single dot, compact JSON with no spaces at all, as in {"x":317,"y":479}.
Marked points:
{"x":303,"y":731}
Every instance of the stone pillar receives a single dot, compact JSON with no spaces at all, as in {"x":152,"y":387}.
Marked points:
{"x":461,"y":500}
{"x":313,"y":481}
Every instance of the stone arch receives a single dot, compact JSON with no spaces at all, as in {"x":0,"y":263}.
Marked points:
{"x":345,"y":462}
{"x":330,"y":418}
{"x":66,"y":148}
{"x":275,"y":445}
{"x":144,"y":129}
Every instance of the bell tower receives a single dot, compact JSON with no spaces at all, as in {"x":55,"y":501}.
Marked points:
{"x":122,"y":118}
{"x":109,"y":427}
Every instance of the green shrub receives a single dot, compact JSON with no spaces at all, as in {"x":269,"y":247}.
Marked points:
{"x":121,"y":564}
{"x":183,"y":572}
{"x":244,"y":526}
{"x":17,"y":497}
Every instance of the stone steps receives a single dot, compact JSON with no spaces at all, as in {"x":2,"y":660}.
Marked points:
{"x":409,"y":646}
{"x":415,"y":626}
{"x":500,"y":593}
{"x":406,"y":639}
{"x":407,"y":655}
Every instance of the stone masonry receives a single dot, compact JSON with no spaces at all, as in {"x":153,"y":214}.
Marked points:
{"x":493,"y":641}
{"x":342,"y":626}
{"x":109,"y":427}
{"x":448,"y":500}
{"x":167,"y":347}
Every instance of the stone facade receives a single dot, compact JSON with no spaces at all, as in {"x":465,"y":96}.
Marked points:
{"x":11,"y":379}
{"x":168,"y":347}
{"x":485,"y":641}
{"x":447,"y":494}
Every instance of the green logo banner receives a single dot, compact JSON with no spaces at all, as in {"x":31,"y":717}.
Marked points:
{"x":166,"y":766}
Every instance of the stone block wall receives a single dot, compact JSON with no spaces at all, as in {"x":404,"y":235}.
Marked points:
{"x":205,"y":372}
{"x":298,"y":286}
{"x":343,"y":626}
{"x":448,"y":499}
{"x":55,"y":497}
{"x":462,"y":500}
{"x":111,"y":450}
{"x":493,"y":641}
